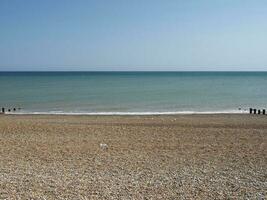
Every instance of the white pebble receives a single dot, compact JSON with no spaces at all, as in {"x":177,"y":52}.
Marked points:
{"x":103,"y":146}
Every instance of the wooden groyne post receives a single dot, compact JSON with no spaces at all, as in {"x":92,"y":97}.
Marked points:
{"x":257,"y":111}
{"x":4,"y":110}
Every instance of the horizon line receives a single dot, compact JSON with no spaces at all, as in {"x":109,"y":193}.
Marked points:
{"x":134,"y":71}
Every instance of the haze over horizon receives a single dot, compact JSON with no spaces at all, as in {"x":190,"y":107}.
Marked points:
{"x":116,"y":35}
{"x":116,"y":69}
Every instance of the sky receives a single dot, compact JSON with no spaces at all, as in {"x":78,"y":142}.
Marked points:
{"x":106,"y":35}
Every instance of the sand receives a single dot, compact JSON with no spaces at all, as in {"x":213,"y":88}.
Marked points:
{"x":134,"y":157}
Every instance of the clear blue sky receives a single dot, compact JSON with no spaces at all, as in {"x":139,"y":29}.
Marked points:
{"x":133,"y":35}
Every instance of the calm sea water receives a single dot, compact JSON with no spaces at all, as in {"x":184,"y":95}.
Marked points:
{"x":133,"y":92}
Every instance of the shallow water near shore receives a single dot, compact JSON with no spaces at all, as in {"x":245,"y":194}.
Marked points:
{"x":132,"y":93}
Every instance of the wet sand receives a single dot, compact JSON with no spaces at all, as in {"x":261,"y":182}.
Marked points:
{"x":145,"y":157}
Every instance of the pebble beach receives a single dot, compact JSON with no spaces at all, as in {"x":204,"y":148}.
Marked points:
{"x":220,"y":156}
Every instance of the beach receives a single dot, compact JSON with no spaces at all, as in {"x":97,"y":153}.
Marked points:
{"x":221,"y":156}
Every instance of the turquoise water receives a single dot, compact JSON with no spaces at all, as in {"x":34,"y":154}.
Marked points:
{"x":133,"y":92}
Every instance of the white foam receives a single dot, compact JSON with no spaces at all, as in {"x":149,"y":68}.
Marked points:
{"x":132,"y":113}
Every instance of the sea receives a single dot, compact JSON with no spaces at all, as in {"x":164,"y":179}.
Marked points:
{"x":132,"y":93}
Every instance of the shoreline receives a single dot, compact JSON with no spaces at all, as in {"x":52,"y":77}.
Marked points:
{"x":163,"y":113}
